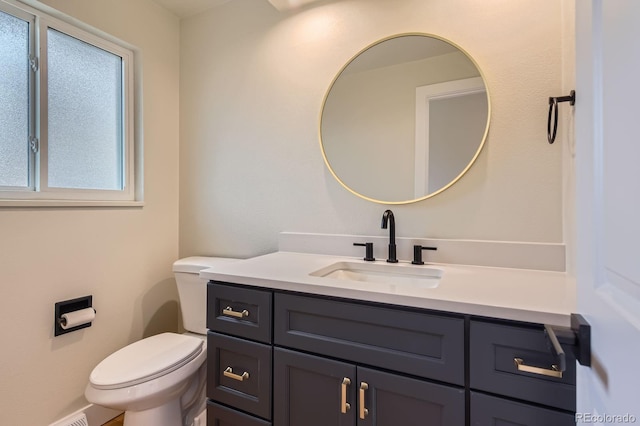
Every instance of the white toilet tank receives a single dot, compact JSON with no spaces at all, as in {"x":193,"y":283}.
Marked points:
{"x":192,"y":290}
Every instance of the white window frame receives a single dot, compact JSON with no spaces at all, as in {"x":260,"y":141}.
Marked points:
{"x":39,"y":193}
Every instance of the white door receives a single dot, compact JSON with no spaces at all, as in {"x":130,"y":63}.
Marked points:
{"x":608,"y":206}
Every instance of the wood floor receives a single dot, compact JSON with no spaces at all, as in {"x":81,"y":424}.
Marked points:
{"x":118,"y":421}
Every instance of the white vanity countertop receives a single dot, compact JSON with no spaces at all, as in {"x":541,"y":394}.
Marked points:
{"x":515,"y":294}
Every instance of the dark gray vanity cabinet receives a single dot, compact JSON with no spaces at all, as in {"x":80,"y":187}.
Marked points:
{"x":286,"y":359}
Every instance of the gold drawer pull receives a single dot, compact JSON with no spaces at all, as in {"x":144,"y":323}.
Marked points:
{"x":553,"y":372}
{"x":228,"y":372}
{"x":344,"y":405}
{"x":230,"y":312}
{"x":363,"y":411}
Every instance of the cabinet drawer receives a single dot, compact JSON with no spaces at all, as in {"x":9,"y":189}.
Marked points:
{"x":493,"y":348}
{"x":239,"y":373}
{"x":242,"y":312}
{"x":218,"y":415}
{"x":489,"y":410}
{"x":417,"y":343}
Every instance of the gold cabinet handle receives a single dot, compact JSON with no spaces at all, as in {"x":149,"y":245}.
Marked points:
{"x":521,"y":366}
{"x":363,"y":411}
{"x":344,"y":405}
{"x":230,"y":312}
{"x":228,"y":372}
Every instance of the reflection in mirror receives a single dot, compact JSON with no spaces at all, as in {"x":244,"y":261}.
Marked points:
{"x":404,"y":119}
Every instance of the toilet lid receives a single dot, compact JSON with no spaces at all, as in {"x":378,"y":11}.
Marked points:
{"x":145,"y":360}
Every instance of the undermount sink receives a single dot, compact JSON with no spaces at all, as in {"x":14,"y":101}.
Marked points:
{"x":387,"y":273}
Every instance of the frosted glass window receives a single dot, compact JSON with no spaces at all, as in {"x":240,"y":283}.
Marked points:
{"x":14,"y":101}
{"x":68,"y":109}
{"x":85,"y":139}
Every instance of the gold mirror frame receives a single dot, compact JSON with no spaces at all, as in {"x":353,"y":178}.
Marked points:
{"x":459,"y":176}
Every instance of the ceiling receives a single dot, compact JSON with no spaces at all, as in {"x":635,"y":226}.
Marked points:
{"x":185,"y":8}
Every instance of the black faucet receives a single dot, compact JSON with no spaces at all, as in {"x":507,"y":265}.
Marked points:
{"x":387,"y":217}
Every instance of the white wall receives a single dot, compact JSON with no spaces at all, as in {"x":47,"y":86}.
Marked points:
{"x":252,"y":84}
{"x":122,"y":256}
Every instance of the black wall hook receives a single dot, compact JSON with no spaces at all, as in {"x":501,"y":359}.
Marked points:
{"x":553,"y":112}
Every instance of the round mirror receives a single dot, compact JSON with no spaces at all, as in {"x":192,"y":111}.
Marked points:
{"x":404,"y":119}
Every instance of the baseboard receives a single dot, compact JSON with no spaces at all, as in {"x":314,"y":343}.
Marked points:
{"x":96,"y":415}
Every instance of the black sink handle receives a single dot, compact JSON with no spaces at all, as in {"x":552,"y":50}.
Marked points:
{"x":368,"y":251}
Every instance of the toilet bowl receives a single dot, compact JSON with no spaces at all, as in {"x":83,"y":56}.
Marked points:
{"x":148,"y":378}
{"x":160,"y":380}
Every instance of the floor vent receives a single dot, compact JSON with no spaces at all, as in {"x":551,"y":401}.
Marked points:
{"x":75,"y":420}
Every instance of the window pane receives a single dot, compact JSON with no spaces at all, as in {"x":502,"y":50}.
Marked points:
{"x":14,"y":101}
{"x":85,"y":138}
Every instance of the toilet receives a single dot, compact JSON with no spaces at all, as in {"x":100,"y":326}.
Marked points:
{"x":160,"y":380}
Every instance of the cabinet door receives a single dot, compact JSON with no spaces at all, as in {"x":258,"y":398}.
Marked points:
{"x":390,"y":400}
{"x":309,"y":390}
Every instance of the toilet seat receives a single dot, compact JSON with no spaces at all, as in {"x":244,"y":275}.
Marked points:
{"x":145,"y":360}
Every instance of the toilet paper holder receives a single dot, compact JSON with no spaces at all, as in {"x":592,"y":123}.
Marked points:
{"x":70,"y":307}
